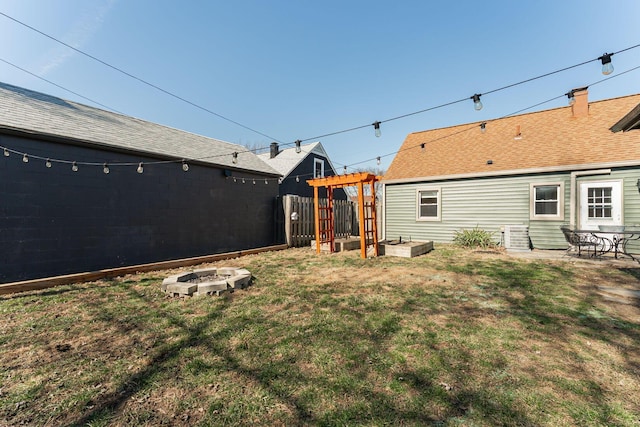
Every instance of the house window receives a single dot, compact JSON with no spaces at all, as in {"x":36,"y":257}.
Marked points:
{"x":547,"y":201}
{"x":318,"y":168}
{"x":428,"y":202}
{"x":599,"y":202}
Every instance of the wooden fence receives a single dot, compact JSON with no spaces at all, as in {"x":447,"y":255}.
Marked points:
{"x":299,"y":221}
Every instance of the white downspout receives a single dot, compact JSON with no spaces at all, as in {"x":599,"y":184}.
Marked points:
{"x":572,"y":192}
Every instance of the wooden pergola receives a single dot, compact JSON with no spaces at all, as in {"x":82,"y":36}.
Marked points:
{"x":367,"y":210}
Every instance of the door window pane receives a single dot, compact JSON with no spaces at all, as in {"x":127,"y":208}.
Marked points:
{"x":599,"y":202}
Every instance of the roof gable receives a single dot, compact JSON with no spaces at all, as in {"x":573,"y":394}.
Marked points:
{"x":545,"y":139}
{"x":36,"y":113}
{"x":287,"y":160}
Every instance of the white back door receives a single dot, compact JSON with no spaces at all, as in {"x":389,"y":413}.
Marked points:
{"x":600,"y":204}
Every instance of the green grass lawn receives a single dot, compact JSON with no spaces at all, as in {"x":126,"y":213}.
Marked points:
{"x":455,"y":337}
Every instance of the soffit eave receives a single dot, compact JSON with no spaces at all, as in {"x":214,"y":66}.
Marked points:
{"x":515,"y":172}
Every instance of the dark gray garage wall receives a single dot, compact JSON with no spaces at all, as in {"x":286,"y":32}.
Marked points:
{"x":54,"y":221}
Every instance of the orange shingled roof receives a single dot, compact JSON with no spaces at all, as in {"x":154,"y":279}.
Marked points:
{"x":550,"y":138}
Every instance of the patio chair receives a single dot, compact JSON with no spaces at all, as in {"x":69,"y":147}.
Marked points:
{"x":581,"y":241}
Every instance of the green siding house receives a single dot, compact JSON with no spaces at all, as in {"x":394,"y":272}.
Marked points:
{"x":532,"y":172}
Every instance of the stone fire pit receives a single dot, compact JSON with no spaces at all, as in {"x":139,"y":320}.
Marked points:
{"x":206,"y":281}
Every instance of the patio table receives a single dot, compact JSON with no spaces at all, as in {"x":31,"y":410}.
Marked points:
{"x":616,"y":241}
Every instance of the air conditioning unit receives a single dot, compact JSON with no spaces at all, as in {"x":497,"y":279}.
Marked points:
{"x":516,"y":238}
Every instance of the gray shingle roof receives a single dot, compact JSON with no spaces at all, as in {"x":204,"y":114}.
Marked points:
{"x":287,"y":160}
{"x":34,"y":112}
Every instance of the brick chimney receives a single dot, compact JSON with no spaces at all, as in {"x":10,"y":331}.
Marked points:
{"x":274,"y":150}
{"x":580,"y":107}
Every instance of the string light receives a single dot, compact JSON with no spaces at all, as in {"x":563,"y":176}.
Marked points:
{"x":25,"y":158}
{"x":254,"y":182}
{"x":47,"y":163}
{"x":571,"y":97}
{"x":378,"y":160}
{"x":266,"y":182}
{"x":376,"y":127}
{"x":140,"y":168}
{"x":607,"y":66}
{"x":185,"y":166}
{"x":235,"y":157}
{"x":483,"y":127}
{"x":243,"y":180}
{"x":422,"y":146}
{"x":234,"y":179}
{"x":298,"y":148}
{"x":105,"y":168}
{"x":280,"y":180}
{"x":297,"y":178}
{"x":345,"y":169}
{"x":605,"y":59}
{"x":477,"y":104}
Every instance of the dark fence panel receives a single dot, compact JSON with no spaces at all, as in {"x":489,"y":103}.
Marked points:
{"x":55,"y":221}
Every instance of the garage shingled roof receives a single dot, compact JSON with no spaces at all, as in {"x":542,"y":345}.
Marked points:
{"x":39,"y":114}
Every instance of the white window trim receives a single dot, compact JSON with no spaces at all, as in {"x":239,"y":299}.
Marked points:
{"x":532,"y":201}
{"x":437,"y":218}
{"x":315,"y":162}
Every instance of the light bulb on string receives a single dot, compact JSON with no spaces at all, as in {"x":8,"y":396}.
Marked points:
{"x":74,"y":167}
{"x":25,"y":158}
{"x":185,"y":165}
{"x":280,"y":180}
{"x":345,"y":169}
{"x":607,"y":66}
{"x":376,"y":128}
{"x":140,"y":168}
{"x":6,"y":152}
{"x":571,"y":97}
{"x":422,"y":147}
{"x":266,"y":182}
{"x":254,"y":182}
{"x":234,"y":179}
{"x":297,"y":178}
{"x":477,"y":104}
{"x":298,"y":148}
{"x":243,"y":180}
{"x":105,"y":168}
{"x":483,"y":127}
{"x":47,"y":163}
{"x":234,"y":158}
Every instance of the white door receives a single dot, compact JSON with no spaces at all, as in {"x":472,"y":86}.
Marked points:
{"x":600,"y":204}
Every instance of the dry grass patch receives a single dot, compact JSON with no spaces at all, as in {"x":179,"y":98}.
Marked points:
{"x":456,"y":337}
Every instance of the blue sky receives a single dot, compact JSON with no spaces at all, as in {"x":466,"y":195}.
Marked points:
{"x":299,"y":69}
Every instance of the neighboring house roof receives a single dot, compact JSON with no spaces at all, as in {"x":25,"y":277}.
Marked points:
{"x":287,"y":160}
{"x":35,"y":113}
{"x":566,"y":138}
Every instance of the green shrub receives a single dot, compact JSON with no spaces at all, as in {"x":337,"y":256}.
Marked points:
{"x":474,"y":238}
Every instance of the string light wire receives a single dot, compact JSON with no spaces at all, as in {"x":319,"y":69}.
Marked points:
{"x":488,"y":122}
{"x":297,"y":142}
{"x":308,"y":139}
{"x":113,"y":67}
{"x":7,"y":151}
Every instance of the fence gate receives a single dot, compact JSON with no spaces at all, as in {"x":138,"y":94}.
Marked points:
{"x":299,"y":219}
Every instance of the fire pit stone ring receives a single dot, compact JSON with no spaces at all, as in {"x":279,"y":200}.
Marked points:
{"x":206,"y":281}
